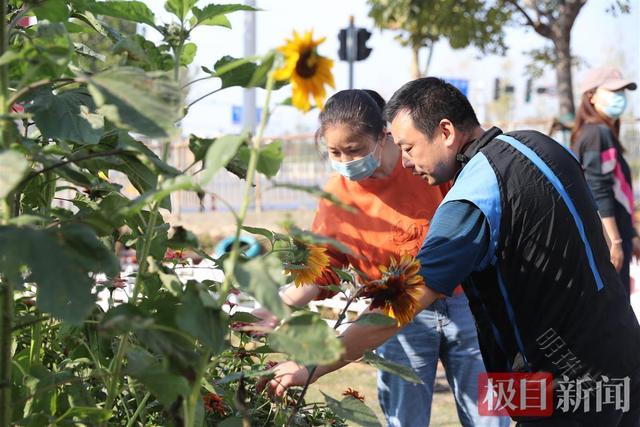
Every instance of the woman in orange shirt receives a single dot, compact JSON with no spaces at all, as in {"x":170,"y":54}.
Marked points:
{"x":391,"y":218}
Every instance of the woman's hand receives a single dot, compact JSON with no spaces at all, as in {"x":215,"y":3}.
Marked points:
{"x":617,"y":255}
{"x":268,"y":321}
{"x":286,"y":374}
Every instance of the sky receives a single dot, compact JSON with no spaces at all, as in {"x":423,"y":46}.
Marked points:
{"x":598,"y":38}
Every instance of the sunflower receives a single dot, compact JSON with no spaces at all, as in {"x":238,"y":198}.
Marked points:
{"x":307,"y":70}
{"x":397,"y":291}
{"x":353,"y":393}
{"x":310,"y":262}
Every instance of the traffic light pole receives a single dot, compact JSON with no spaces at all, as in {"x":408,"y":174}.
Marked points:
{"x":351,"y":49}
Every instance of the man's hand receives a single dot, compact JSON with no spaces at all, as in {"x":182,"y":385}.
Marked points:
{"x":287,"y":374}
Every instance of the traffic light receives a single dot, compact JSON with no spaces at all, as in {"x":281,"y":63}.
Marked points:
{"x":527,"y":94}
{"x":362,"y":51}
{"x":496,"y":89}
{"x":342,"y":51}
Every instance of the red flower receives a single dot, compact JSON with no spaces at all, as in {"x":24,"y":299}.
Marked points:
{"x":353,"y":393}
{"x":214,"y":404}
{"x":270,"y":364}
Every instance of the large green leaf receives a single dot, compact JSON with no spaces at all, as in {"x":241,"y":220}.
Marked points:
{"x":135,"y":11}
{"x":352,"y":409}
{"x":69,"y":115}
{"x":243,"y":72}
{"x":403,"y":371}
{"x":219,"y":153}
{"x":52,"y":10}
{"x":180,"y":8}
{"x":204,"y":323}
{"x":270,"y":158}
{"x":165,"y":386}
{"x":214,"y":14}
{"x":60,"y":262}
{"x":148,"y":103}
{"x":307,"y":339}
{"x":13,"y":166}
{"x":262,"y":278}
{"x":166,"y":188}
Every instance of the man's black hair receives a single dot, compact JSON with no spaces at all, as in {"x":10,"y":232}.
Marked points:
{"x":429,"y":100}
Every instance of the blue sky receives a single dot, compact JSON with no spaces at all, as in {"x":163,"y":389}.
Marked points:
{"x":597,"y":38}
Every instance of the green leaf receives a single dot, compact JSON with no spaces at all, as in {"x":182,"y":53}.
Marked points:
{"x":231,"y":422}
{"x":165,"y":386}
{"x":135,"y":11}
{"x":219,"y":154}
{"x":13,"y":166}
{"x":403,"y":371}
{"x":352,"y":409}
{"x":375,"y":319}
{"x":214,"y":14}
{"x":243,"y":316}
{"x":86,"y":414}
{"x":60,"y":262}
{"x":270,"y":158}
{"x":307,"y":339}
{"x":242,"y":72}
{"x":182,"y":239}
{"x":188,"y":53}
{"x":259,"y":231}
{"x":344,"y":276}
{"x":69,"y":115}
{"x":167,"y":187}
{"x":199,"y":146}
{"x":52,"y":10}
{"x":316,"y":191}
{"x":262,"y":278}
{"x":148,"y":103}
{"x":8,"y":57}
{"x":204,"y":323}
{"x":180,"y":8}
{"x":244,"y":374}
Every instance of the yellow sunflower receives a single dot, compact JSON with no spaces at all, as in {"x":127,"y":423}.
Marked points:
{"x":307,"y":70}
{"x":311,"y":260}
{"x":397,"y":291}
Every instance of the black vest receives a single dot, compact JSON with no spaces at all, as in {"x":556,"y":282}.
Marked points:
{"x":547,"y":297}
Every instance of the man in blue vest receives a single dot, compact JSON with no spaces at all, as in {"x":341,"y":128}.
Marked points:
{"x":520,"y":230}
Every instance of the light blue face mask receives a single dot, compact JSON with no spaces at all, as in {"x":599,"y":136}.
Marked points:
{"x":358,"y":169}
{"x":614,"y":104}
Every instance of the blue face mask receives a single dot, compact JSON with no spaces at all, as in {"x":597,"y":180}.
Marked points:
{"x":358,"y":169}
{"x":614,"y":104}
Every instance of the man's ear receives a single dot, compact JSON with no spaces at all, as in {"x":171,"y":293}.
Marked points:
{"x":447,"y":132}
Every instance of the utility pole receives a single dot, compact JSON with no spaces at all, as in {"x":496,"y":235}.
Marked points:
{"x":249,"y":95}
{"x":351,"y":48}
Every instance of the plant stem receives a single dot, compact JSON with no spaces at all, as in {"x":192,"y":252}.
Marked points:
{"x":115,"y":369}
{"x":339,"y":321}
{"x":251,"y":170}
{"x":139,"y":409}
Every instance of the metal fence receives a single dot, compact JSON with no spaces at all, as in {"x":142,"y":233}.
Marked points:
{"x":305,"y":164}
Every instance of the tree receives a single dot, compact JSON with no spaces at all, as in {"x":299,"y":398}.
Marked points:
{"x":553,"y":20}
{"x":423,"y":22}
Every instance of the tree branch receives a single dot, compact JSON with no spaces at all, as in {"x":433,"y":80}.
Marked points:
{"x":539,"y":27}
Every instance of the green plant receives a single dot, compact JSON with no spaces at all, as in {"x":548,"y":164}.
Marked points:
{"x":79,"y":93}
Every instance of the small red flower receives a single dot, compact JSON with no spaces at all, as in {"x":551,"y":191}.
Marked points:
{"x":270,"y":364}
{"x":353,"y":393}
{"x":214,"y":404}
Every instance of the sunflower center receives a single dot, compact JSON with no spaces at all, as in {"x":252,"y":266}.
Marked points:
{"x":307,"y":64}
